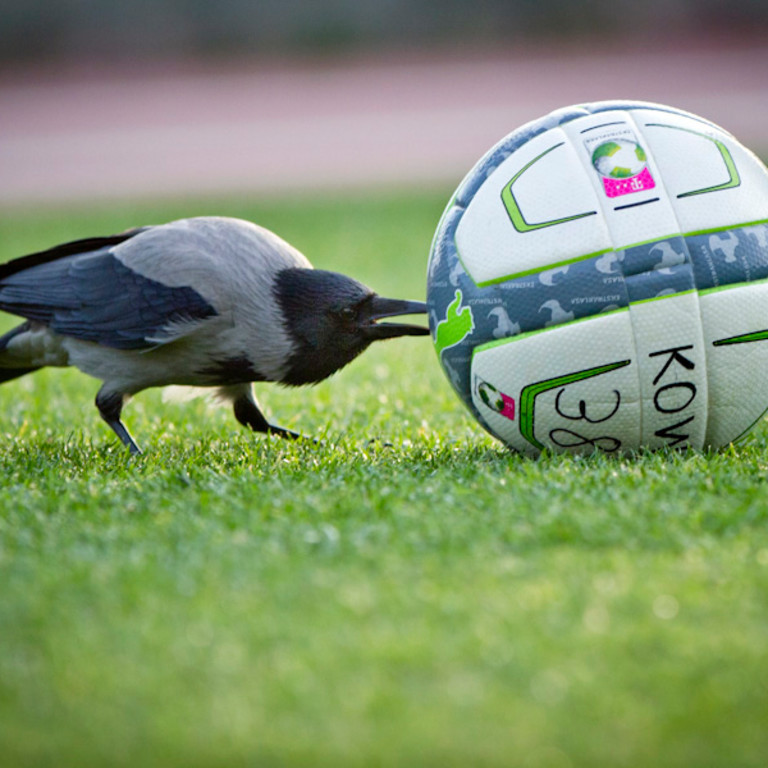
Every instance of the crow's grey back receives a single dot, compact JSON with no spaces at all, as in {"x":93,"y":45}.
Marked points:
{"x":210,"y":274}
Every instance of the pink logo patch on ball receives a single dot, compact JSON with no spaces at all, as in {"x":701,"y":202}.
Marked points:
{"x":639,"y":183}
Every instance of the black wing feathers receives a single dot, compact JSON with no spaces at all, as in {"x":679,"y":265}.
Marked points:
{"x":93,"y":296}
{"x":67,"y":249}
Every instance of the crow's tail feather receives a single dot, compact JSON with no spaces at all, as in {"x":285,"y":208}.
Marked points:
{"x":6,"y":374}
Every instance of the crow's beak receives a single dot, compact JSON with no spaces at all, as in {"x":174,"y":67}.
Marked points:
{"x":381,"y":307}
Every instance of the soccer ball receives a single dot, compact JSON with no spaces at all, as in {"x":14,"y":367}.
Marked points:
{"x":600,"y":281}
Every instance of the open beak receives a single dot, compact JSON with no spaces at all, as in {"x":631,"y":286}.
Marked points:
{"x":381,"y":307}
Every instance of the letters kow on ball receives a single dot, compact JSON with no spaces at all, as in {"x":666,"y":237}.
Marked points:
{"x":600,"y":281}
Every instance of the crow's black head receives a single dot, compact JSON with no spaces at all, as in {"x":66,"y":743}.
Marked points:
{"x":332,"y":318}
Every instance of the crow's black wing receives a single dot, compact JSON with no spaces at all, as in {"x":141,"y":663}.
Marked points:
{"x":81,"y":289}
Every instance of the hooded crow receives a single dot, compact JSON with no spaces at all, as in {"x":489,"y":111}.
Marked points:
{"x":207,"y":302}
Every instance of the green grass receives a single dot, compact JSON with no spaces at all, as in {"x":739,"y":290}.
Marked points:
{"x":425,"y":598}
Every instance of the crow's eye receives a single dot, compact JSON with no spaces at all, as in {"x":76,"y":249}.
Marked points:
{"x":347,"y":313}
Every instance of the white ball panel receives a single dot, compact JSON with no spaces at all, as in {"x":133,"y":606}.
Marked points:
{"x":565,"y":362}
{"x":738,"y":371}
{"x":552,"y":185}
{"x":690,"y":158}
{"x":672,"y":368}
{"x":714,"y":181}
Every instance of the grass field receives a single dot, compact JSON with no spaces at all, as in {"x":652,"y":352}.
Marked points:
{"x":423,"y":598}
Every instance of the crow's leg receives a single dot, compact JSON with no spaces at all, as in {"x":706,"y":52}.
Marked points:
{"x":110,"y":405}
{"x":247,"y":413}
